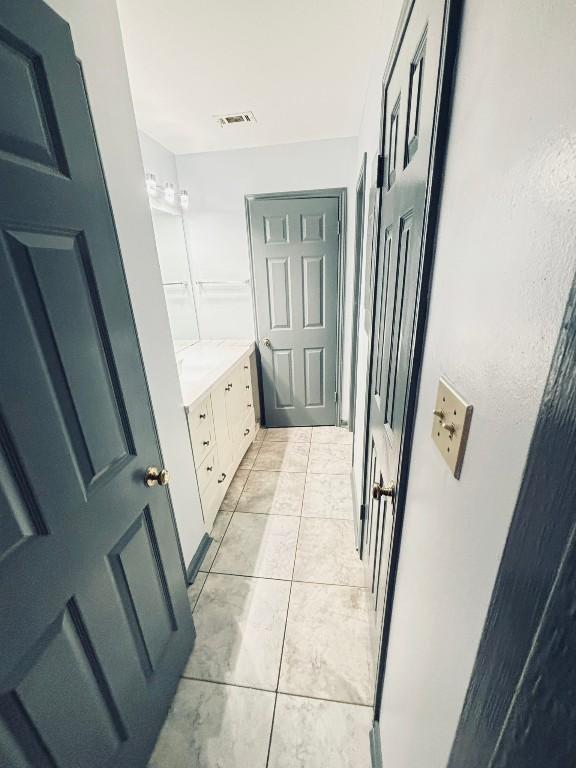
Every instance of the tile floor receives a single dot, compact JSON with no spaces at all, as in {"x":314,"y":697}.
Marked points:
{"x":281,"y":674}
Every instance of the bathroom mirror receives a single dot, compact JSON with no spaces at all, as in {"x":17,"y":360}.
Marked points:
{"x":176,"y":277}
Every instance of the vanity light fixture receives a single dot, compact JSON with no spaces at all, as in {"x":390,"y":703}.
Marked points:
{"x":151,"y":185}
{"x":169,"y":193}
{"x":184,"y":199}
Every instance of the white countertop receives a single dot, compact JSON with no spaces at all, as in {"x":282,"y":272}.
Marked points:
{"x":202,"y":365}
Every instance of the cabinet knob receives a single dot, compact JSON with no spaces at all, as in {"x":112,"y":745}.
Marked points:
{"x":205,"y":442}
{"x":209,"y":469}
{"x":202,"y":415}
{"x":246,"y":432}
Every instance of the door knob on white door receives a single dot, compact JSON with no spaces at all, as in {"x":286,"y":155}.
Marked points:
{"x":388,"y":490}
{"x":266,"y":342}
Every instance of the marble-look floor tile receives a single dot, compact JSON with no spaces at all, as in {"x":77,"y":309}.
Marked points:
{"x":250,"y":456}
{"x":273,"y":493}
{"x":328,"y":496}
{"x":327,"y":652}
{"x":234,"y":490}
{"x":260,"y":435}
{"x":330,"y":459}
{"x":239,"y":631}
{"x":259,"y":545}
{"x":289,"y":434}
{"x":288,"y":457}
{"x":218,"y":530}
{"x":215,"y":726}
{"x":308,"y":733}
{"x":332,"y":435}
{"x":195,"y":588}
{"x":326,"y":553}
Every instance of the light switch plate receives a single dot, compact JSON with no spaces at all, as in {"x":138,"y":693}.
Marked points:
{"x":450,"y":428}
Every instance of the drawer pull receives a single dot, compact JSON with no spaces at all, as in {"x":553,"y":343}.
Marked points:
{"x":205,"y":442}
{"x":221,"y":480}
{"x":246,"y":432}
{"x":245,"y":367}
{"x":202,"y":415}
{"x":249,"y":405}
{"x":209,"y":469}
{"x":228,"y":388}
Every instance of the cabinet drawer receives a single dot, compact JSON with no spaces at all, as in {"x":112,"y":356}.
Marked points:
{"x":207,"y":472}
{"x":246,"y":434}
{"x":201,"y":429}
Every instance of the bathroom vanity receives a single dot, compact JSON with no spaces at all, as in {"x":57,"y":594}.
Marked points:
{"x":218,"y":383}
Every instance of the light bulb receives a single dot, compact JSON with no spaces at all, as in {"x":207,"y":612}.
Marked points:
{"x":184,"y":199}
{"x":151,"y":185}
{"x":169,"y":192}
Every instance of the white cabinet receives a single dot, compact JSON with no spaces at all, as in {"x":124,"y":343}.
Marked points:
{"x":222,"y":427}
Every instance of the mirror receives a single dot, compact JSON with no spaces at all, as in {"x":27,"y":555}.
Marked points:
{"x":176,"y":277}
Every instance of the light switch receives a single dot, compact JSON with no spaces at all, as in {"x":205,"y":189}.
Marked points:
{"x":451,"y":425}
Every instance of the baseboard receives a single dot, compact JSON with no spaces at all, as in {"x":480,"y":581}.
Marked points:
{"x":375,"y":748}
{"x":196,"y":562}
{"x":356,"y":513}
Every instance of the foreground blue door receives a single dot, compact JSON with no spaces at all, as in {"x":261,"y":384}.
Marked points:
{"x":94,"y":621}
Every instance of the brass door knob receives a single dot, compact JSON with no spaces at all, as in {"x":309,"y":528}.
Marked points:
{"x":154,"y":476}
{"x":267,"y":342}
{"x":388,"y":490}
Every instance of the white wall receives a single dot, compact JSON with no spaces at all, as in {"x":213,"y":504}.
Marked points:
{"x":504,"y":262}
{"x":216,"y":220}
{"x":98,"y":43}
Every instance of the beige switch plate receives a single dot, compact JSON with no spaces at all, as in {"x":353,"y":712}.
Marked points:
{"x":450,"y":431}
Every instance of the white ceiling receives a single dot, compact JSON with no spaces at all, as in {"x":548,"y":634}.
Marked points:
{"x":302,"y":67}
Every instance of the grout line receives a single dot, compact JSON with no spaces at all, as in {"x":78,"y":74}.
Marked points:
{"x":271,"y":729}
{"x":276,"y":693}
{"x":293,"y":581}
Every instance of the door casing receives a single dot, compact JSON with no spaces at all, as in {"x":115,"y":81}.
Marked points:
{"x":440,"y":134}
{"x":340,"y":194}
{"x":360,"y":201}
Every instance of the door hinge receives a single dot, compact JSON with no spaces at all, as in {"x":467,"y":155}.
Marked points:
{"x":339,"y":227}
{"x":362,"y":512}
{"x":335,"y":397}
{"x":380,"y":172}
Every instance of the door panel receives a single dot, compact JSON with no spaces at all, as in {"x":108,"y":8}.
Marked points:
{"x":409,"y":99}
{"x":295,"y":262}
{"x":94,"y":622}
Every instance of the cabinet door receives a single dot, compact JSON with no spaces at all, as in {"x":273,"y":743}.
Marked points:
{"x":220,"y":418}
{"x":233,"y":392}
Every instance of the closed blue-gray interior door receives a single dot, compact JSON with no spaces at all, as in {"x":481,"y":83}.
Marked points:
{"x":408,"y":115}
{"x":295,"y":253}
{"x":94,"y":621}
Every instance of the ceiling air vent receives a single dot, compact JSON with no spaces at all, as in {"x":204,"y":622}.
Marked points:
{"x":237,"y":119}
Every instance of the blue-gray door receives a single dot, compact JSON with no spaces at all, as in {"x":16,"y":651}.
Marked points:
{"x":94,"y":622}
{"x":410,"y":90}
{"x":295,"y":250}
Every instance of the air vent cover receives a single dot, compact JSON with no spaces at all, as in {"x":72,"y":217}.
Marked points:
{"x":237,"y":119}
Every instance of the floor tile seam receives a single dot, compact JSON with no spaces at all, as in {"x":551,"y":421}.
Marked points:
{"x":275,"y":693}
{"x":219,"y":545}
{"x":271,"y":730}
{"x":325,"y":698}
{"x":201,"y":590}
{"x":286,"y":581}
{"x":194,"y":679}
